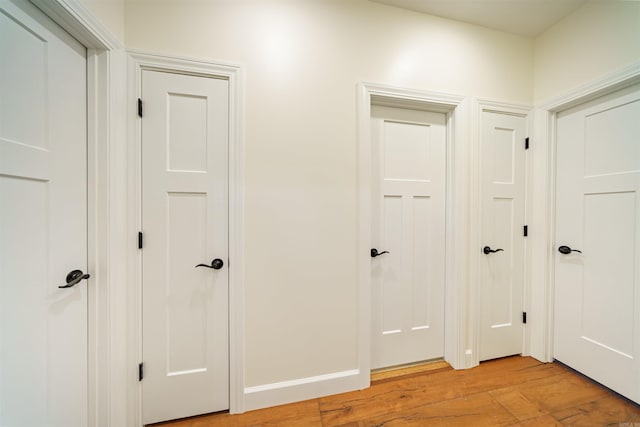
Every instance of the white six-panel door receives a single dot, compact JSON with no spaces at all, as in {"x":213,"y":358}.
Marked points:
{"x":185,"y":223}
{"x":502,"y":221}
{"x":408,"y":220}
{"x":43,"y":221}
{"x":597,"y":290}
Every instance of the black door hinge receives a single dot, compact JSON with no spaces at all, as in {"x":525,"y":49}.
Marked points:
{"x":525,"y":231}
{"x":140,"y":371}
{"x":524,"y":317}
{"x":139,"y":107}
{"x":139,"y":239}
{"x":526,"y":141}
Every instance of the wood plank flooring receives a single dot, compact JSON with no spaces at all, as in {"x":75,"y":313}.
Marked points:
{"x":514,"y":391}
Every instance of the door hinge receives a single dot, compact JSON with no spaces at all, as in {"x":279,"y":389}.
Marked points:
{"x":139,"y":107}
{"x":139,"y":239}
{"x":525,"y":231}
{"x":140,"y":371}
{"x":524,"y":317}
{"x":526,"y":141}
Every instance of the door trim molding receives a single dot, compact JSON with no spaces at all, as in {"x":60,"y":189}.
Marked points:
{"x":456,"y":282}
{"x":543,"y":209}
{"x":76,"y":19}
{"x":479,"y":106}
{"x":139,"y":61}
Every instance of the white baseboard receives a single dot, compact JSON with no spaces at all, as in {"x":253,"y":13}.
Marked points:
{"x":267,"y":395}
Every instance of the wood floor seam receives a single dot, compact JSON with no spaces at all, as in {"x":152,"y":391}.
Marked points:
{"x":505,"y":408}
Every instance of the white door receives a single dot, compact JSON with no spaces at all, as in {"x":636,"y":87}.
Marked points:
{"x":43,"y":221}
{"x":502,"y":234}
{"x":597,"y":290}
{"x":184,"y":220}
{"x":408,"y":220}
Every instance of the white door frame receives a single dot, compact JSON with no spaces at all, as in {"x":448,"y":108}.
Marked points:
{"x":543,"y":210}
{"x":105,"y":156}
{"x":139,"y":61}
{"x":479,"y":106}
{"x":456,"y":280}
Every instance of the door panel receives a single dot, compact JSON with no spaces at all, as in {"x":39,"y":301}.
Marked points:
{"x":597,"y":295}
{"x":43,"y":221}
{"x":612,"y":245}
{"x":502,"y":222}
{"x":184,"y":219}
{"x":408,"y":221}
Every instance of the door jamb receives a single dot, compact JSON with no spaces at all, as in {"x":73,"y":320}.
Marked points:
{"x":456,"y":281}
{"x":139,"y":61}
{"x":543,"y":211}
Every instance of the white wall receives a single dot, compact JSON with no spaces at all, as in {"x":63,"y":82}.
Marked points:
{"x":600,"y":37}
{"x":303,"y":59}
{"x":110,"y":13}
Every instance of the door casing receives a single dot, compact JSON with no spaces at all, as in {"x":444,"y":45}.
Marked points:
{"x":139,"y":61}
{"x":456,"y":291}
{"x":543,"y":210}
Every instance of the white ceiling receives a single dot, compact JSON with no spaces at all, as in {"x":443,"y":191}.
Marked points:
{"x":524,"y":17}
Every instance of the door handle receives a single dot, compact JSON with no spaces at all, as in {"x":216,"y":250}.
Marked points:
{"x":216,"y":264}
{"x":567,"y":250}
{"x":74,"y":277}
{"x":375,"y":253}
{"x":487,"y":250}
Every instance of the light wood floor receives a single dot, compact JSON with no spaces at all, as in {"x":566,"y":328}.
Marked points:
{"x":515,"y":391}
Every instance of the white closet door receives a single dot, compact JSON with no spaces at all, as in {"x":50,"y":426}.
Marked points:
{"x":185,"y":223}
{"x":597,"y":287}
{"x":503,"y":213}
{"x":43,"y":221}
{"x":408,"y":218}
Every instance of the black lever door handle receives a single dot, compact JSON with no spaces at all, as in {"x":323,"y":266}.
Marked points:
{"x":74,"y":277}
{"x":567,"y":250}
{"x":375,"y":253}
{"x":487,"y":250}
{"x":216,"y":264}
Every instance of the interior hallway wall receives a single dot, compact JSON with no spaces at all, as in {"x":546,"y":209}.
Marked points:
{"x":109,"y":13}
{"x":303,"y":59}
{"x":597,"y":39}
